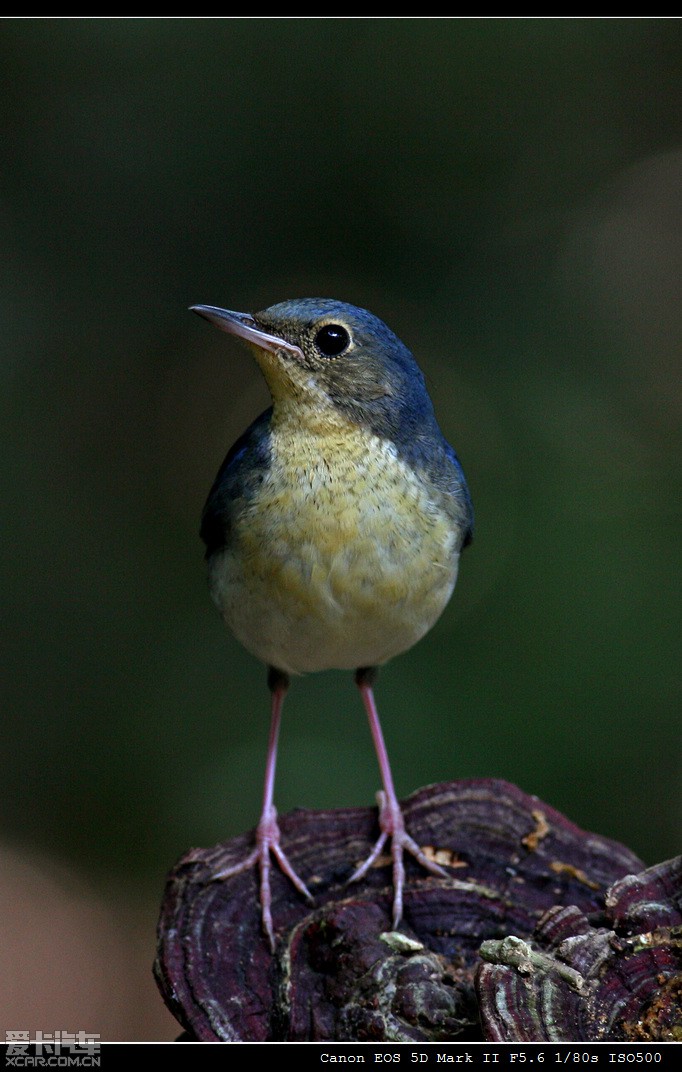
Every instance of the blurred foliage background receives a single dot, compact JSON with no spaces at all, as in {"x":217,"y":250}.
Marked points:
{"x":505,"y":193}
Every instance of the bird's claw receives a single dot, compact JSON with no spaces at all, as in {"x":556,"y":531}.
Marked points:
{"x":392,"y":825}
{"x":267,"y":841}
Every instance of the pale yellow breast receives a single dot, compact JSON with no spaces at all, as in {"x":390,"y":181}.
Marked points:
{"x":343,"y":559}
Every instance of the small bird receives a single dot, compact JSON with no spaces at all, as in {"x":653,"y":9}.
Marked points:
{"x":333,"y":530}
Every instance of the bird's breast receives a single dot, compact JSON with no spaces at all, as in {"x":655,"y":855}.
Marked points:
{"x":343,"y":556}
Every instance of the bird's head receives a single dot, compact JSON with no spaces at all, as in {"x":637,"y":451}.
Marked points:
{"x":331,"y":359}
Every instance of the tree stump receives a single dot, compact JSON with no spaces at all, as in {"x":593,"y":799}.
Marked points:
{"x":517,"y":869}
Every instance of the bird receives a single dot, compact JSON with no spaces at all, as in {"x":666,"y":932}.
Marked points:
{"x":333,"y":532}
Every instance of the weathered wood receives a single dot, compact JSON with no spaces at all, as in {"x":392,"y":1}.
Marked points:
{"x":577,"y":982}
{"x":338,"y":972}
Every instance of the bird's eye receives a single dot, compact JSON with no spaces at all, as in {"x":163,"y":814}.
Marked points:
{"x":332,"y":340}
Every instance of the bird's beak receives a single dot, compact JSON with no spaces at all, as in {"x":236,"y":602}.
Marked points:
{"x":243,"y":326}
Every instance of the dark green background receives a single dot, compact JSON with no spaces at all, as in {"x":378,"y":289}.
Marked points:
{"x":506,"y":195}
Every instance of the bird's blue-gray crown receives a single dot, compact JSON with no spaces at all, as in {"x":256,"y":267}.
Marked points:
{"x":366,"y":371}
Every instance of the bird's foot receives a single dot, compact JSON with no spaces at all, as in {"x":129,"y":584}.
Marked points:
{"x":392,"y":825}
{"x":267,"y":841}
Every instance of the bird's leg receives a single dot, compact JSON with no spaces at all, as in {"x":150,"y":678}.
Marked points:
{"x":267,"y":831}
{"x":391,"y":822}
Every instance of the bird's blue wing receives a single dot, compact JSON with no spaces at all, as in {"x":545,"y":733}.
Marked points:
{"x":241,"y":472}
{"x":461,"y":491}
